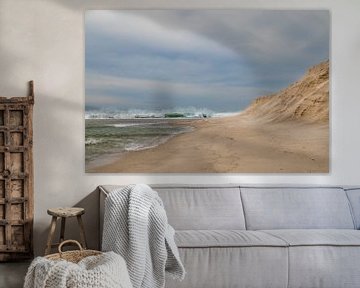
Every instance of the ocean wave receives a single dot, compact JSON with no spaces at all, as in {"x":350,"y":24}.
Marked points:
{"x":126,"y":125}
{"x":151,"y":144}
{"x":131,"y":114}
{"x":92,"y":141}
{"x":181,"y":112}
{"x":154,"y":142}
{"x":138,"y":146}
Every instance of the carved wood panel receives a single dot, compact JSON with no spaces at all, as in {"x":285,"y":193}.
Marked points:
{"x":16,"y":177}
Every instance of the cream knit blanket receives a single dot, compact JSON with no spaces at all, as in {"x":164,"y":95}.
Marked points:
{"x":136,"y":227}
{"x":103,"y":271}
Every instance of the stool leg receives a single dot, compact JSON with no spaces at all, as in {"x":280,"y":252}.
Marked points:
{"x":51,"y":235}
{"x":82,"y":232}
{"x":62,"y":230}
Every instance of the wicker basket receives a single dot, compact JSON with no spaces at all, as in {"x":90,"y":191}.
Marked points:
{"x":72,"y":256}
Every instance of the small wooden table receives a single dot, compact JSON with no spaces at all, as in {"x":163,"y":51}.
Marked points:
{"x":63,"y":213}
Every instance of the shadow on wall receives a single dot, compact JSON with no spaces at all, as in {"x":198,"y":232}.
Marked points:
{"x":61,"y":167}
{"x":91,"y":219}
{"x":49,"y":50}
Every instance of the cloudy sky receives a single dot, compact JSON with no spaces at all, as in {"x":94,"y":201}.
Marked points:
{"x":215,"y":59}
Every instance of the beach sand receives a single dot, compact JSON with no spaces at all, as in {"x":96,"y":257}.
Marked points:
{"x":234,"y":144}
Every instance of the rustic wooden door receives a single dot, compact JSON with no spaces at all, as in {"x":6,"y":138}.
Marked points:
{"x":16,"y":177}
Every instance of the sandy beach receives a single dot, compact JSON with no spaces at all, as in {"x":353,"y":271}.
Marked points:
{"x":234,"y":144}
{"x":285,"y":132}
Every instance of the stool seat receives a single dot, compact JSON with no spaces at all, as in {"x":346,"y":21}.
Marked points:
{"x":66,"y":211}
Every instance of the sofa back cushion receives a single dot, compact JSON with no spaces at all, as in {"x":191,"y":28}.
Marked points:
{"x":202,"y":208}
{"x":296,"y":208}
{"x":354,"y":198}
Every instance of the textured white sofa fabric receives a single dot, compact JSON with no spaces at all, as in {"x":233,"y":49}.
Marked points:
{"x":235,"y":236}
{"x":226,"y":238}
{"x":186,"y":207}
{"x":354,"y":198}
{"x":296,"y":208}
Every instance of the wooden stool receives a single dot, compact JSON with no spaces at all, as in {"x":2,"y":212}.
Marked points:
{"x":64,"y":213}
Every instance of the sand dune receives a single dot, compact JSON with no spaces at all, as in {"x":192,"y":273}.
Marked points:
{"x":286,"y":132}
{"x":306,"y":99}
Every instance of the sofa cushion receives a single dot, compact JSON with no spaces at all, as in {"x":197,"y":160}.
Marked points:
{"x":322,"y":258}
{"x":220,"y":267}
{"x":324,"y":266}
{"x":296,"y":208}
{"x":354,"y":198}
{"x":226,"y":238}
{"x":191,"y":207}
{"x":204,"y":208}
{"x":315,"y":237}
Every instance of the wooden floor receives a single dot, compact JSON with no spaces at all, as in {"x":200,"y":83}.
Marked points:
{"x":12,"y":274}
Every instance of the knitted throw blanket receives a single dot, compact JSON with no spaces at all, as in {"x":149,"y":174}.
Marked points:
{"x":136,"y":227}
{"x":103,"y":271}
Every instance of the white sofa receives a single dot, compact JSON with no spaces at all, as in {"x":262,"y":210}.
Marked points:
{"x":245,"y":236}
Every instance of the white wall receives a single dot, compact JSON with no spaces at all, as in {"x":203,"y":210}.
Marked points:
{"x":44,"y":40}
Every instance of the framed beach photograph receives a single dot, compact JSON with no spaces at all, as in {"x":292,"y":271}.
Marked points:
{"x":207,"y":91}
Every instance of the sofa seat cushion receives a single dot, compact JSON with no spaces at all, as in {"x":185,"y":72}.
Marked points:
{"x":225,"y":267}
{"x":317,"y":237}
{"x":225,"y":238}
{"x":324,"y":258}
